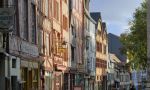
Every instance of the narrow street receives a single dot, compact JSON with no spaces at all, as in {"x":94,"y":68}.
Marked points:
{"x":73,"y":45}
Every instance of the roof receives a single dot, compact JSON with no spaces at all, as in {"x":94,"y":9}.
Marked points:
{"x":96,"y":16}
{"x":115,"y":45}
{"x":114,"y":58}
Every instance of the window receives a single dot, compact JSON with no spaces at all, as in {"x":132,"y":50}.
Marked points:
{"x":72,"y":29}
{"x":35,"y":79}
{"x":74,"y":3}
{"x":56,"y":10}
{"x":50,"y":8}
{"x":50,"y":44}
{"x":47,"y":44}
{"x":48,"y":81}
{"x":33,"y":11}
{"x":65,"y":22}
{"x":65,"y":1}
{"x":80,"y":7}
{"x":13,"y":63}
{"x":1,"y":3}
{"x":40,"y":5}
{"x":58,"y":41}
{"x":24,"y":78}
{"x":14,"y":82}
{"x":46,"y":7}
{"x":72,"y":53}
{"x":77,"y":4}
{"x":40,"y":41}
{"x":66,"y":81}
{"x":104,"y":49}
{"x":16,"y":19}
{"x":25,"y":19}
{"x":87,"y":44}
{"x":54,"y":42}
{"x":66,"y":55}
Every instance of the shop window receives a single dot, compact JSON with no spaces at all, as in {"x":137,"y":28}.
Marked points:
{"x":13,"y":63}
{"x":65,"y":81}
{"x":35,"y":79}
{"x":48,"y":82}
{"x":14,"y":82}
{"x":24,"y":78}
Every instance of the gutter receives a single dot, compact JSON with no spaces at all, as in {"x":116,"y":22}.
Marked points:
{"x":86,"y":12}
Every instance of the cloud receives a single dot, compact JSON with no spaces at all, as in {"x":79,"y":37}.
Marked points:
{"x":116,"y":13}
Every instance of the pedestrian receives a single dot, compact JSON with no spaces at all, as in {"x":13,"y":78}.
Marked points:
{"x":132,"y":88}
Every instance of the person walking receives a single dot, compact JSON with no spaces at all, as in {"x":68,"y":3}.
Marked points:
{"x":132,"y":88}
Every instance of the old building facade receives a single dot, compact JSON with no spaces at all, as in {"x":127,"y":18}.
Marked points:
{"x":101,"y":52}
{"x":51,"y":45}
{"x":53,"y":38}
{"x":90,"y":47}
{"x":20,"y":64}
{"x":77,"y":70}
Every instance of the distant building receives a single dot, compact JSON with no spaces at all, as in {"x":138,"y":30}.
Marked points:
{"x":113,"y":72}
{"x":118,"y":75}
{"x":114,"y":46}
{"x":101,"y":52}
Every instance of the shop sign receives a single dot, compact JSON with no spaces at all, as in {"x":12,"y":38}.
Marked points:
{"x":30,"y":65}
{"x":58,"y":60}
{"x":29,"y":49}
{"x":6,"y":19}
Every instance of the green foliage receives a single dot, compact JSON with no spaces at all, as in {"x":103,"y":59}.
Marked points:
{"x":135,"y":40}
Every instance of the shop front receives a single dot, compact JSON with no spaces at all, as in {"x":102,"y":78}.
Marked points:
{"x":58,"y":80}
{"x":30,"y":74}
{"x":48,"y":80}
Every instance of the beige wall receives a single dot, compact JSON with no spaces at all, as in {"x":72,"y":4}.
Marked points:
{"x":100,"y":55}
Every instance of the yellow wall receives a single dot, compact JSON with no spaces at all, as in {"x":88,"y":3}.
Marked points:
{"x":100,"y":55}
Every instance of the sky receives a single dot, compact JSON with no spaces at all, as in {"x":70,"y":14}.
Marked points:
{"x":116,"y":13}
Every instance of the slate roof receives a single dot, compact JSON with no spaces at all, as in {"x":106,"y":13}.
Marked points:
{"x":114,"y":46}
{"x":96,"y":16}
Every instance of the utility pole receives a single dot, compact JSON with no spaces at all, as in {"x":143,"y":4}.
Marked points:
{"x":148,"y":46}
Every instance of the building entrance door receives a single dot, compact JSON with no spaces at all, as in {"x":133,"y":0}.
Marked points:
{"x":57,"y":81}
{"x":30,"y":80}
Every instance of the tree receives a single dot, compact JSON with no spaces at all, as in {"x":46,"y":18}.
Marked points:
{"x":135,"y":40}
